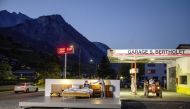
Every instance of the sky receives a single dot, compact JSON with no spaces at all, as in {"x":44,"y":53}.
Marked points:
{"x":120,"y":24}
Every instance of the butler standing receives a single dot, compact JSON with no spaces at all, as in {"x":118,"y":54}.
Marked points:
{"x":102,"y":87}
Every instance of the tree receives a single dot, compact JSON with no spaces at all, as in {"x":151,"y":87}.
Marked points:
{"x":124,"y":70}
{"x":6,"y":72}
{"x":125,"y":67}
{"x":49,"y":70}
{"x":105,"y":70}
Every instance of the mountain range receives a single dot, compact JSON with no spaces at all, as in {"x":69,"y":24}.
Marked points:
{"x":8,"y":19}
{"x":45,"y":33}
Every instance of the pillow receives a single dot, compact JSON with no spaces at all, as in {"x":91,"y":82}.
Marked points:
{"x":76,"y":86}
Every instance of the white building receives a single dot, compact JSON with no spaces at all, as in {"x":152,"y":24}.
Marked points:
{"x":177,"y":62}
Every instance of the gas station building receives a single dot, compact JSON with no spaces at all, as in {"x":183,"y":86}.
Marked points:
{"x":177,"y":61}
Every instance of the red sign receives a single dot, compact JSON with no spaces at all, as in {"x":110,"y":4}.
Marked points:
{"x":65,"y":50}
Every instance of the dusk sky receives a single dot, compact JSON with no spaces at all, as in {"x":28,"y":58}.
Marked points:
{"x":120,"y":24}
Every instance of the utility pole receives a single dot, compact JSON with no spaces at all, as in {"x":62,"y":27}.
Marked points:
{"x":65,"y":65}
{"x":64,"y":50}
{"x":79,"y":60}
{"x":135,"y":77}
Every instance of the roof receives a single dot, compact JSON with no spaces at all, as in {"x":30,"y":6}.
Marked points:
{"x":183,"y":46}
{"x":24,"y":71}
{"x":146,"y":55}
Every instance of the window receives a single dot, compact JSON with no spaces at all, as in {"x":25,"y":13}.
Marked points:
{"x":165,"y":71}
{"x":165,"y":65}
{"x":183,"y":79}
{"x":151,"y":65}
{"x":146,"y":78}
{"x":155,"y":77}
{"x":151,"y":71}
{"x":163,"y":78}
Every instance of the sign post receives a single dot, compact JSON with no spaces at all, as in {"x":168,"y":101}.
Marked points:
{"x":133,"y":72}
{"x":65,"y":65}
{"x":135,"y":77}
{"x":64,"y":50}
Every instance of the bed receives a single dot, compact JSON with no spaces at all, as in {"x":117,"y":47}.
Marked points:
{"x":77,"y":91}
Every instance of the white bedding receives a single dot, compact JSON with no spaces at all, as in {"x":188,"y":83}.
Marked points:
{"x":83,"y":90}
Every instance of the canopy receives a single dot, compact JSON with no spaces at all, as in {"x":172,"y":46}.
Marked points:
{"x":146,"y":55}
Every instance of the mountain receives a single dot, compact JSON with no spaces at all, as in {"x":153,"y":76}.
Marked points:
{"x":8,"y":19}
{"x":102,"y":47}
{"x":45,"y":33}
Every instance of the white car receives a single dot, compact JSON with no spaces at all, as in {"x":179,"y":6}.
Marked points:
{"x":25,"y":87}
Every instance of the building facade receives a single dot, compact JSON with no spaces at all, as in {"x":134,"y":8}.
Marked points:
{"x":177,"y":64}
{"x":156,"y":71}
{"x":178,"y":73}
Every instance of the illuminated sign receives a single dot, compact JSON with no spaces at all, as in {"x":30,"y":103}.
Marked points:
{"x":65,"y":50}
{"x":133,"y":70}
{"x":154,"y":52}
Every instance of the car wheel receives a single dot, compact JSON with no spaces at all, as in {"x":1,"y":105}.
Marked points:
{"x":27,"y":90}
{"x":157,"y":94}
{"x":36,"y":89}
{"x":16,"y":92}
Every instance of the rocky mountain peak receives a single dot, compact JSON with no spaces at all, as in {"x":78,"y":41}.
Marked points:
{"x":103,"y":47}
{"x":8,"y":19}
{"x":47,"y":32}
{"x":52,"y":18}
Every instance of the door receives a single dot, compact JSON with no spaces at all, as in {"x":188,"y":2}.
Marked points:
{"x":172,"y":79}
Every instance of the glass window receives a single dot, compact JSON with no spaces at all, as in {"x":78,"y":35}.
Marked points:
{"x":155,"y":77}
{"x":183,"y":79}
{"x":151,"y":71}
{"x":151,"y":65}
{"x":165,"y":65}
{"x":165,"y":71}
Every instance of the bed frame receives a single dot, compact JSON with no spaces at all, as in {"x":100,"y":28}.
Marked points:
{"x":58,"y":90}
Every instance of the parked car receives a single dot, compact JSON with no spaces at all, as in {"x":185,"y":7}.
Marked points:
{"x":25,"y":87}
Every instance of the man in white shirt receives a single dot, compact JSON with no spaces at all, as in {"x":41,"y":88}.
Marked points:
{"x":151,"y":81}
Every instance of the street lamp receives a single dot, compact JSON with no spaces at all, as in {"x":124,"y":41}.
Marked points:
{"x":93,"y":63}
{"x":64,"y":50}
{"x":121,"y":77}
{"x":91,"y":60}
{"x":79,"y":61}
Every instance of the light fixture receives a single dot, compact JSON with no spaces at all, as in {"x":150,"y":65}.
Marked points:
{"x":121,"y":77}
{"x":122,"y":59}
{"x":152,"y":59}
{"x":91,"y":60}
{"x":72,"y":46}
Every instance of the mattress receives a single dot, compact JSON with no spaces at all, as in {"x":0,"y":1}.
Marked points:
{"x":75,"y":92}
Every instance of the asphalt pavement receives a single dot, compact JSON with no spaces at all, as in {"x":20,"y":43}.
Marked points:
{"x":170,"y":100}
{"x":10,"y":100}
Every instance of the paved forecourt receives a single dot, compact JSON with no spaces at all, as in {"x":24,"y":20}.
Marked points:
{"x":56,"y":102}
